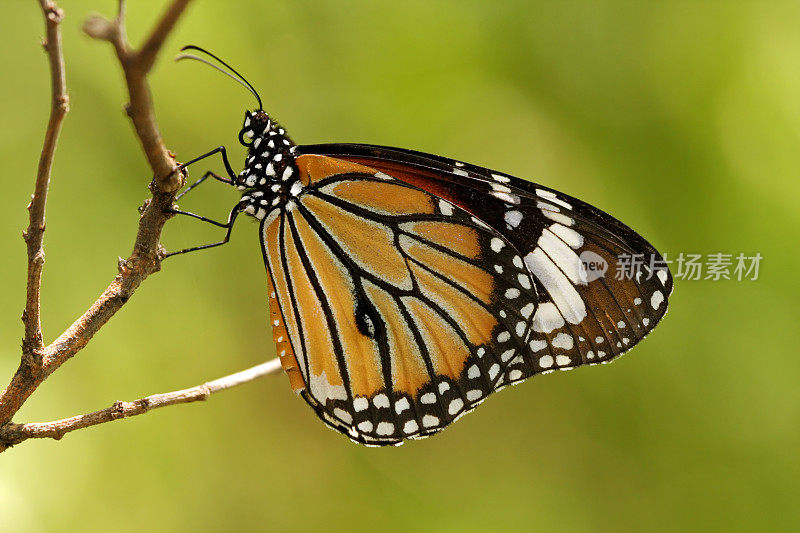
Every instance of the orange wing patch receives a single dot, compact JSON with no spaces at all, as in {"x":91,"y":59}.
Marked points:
{"x":447,"y":351}
{"x":318,"y":341}
{"x":371,"y":244}
{"x":290,"y":326}
{"x":476,"y":280}
{"x":424,"y":179}
{"x":360,"y":352}
{"x":386,"y":198}
{"x":459,"y":238}
{"x":475,"y":320}
{"x":409,"y":373}
{"x":314,"y":168}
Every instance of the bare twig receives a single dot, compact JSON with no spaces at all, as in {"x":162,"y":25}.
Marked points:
{"x":32,"y":342}
{"x":12,"y":434}
{"x":26,"y":379}
{"x":136,"y":65}
{"x":39,"y":362}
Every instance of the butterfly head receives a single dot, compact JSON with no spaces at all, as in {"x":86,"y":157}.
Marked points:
{"x":270,"y":175}
{"x":256,"y":124}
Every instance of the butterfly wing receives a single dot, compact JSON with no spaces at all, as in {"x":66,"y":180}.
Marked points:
{"x":583,"y":316}
{"x":394,"y":311}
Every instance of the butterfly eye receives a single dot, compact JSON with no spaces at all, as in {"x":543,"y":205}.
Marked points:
{"x":260,"y":121}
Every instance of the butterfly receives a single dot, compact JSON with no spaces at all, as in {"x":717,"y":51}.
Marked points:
{"x":405,"y":288}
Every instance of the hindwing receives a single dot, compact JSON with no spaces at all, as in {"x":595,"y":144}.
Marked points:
{"x":402,"y":309}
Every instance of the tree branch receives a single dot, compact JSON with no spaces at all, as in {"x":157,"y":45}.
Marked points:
{"x":38,"y":362}
{"x":136,"y":65}
{"x":34,"y":236}
{"x":12,"y":434}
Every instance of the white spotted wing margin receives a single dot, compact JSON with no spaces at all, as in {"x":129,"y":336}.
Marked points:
{"x":581,"y":317}
{"x":397,"y":338}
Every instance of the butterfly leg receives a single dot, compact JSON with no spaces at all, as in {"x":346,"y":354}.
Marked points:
{"x":228,"y":181}
{"x":221,"y":150}
{"x":228,"y":225}
{"x":209,"y":174}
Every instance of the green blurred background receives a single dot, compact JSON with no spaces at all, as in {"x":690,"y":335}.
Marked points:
{"x":680,"y":118}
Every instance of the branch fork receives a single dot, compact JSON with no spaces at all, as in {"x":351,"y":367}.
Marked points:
{"x":39,"y":361}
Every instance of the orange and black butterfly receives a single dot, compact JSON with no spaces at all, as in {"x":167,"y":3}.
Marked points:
{"x":405,"y":288}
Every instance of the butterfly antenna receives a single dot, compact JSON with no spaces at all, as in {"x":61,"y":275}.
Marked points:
{"x":231,"y":72}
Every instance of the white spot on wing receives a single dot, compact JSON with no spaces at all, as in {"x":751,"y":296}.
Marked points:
{"x":527,"y":310}
{"x":343,"y":415}
{"x":562,"y":360}
{"x":401,"y":405}
{"x":561,"y":290}
{"x":455,"y":406}
{"x":513,"y":218}
{"x":547,"y":318}
{"x":381,"y":401}
{"x":563,"y":256}
{"x":558,"y":217}
{"x":385,"y":428}
{"x":537,"y":345}
{"x":507,"y":198}
{"x":563,"y":341}
{"x":323,"y":390}
{"x":551,"y":197}
{"x":474,"y":394}
{"x":568,"y":235}
{"x":656,"y":299}
{"x":430,"y":420}
{"x":359,"y":404}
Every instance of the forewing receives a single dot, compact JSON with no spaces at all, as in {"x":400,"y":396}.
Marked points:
{"x":582,"y":317}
